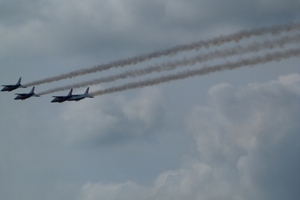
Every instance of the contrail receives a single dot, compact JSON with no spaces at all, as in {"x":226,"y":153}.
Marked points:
{"x":237,"y":50}
{"x":276,"y":56}
{"x":172,"y":51}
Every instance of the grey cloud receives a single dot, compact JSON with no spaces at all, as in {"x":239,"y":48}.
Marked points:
{"x":14,"y":13}
{"x":41,"y":38}
{"x":192,"y":14}
{"x":247,"y":149}
{"x":256,"y":129}
{"x":113,"y":121}
{"x":272,"y":170}
{"x":29,"y":163}
{"x":76,"y":27}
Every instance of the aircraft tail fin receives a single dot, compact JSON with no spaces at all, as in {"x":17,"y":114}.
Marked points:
{"x":19,"y":81}
{"x":70,"y":93}
{"x":87,"y":93}
{"x":32,"y":90}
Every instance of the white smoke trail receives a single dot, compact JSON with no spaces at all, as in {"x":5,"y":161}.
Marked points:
{"x":203,"y":43}
{"x":237,"y":50}
{"x":276,"y":56}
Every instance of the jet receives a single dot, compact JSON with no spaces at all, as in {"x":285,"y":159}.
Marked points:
{"x":24,"y":96}
{"x":60,"y":99}
{"x":12,"y":87}
{"x":78,"y":97}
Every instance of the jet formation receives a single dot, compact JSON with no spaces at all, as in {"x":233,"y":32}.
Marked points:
{"x":57,"y":99}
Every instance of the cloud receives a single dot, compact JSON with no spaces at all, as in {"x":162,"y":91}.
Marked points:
{"x":114,"y":120}
{"x":127,"y":190}
{"x":146,"y":109}
{"x":277,"y":6}
{"x":247,"y":148}
{"x":73,"y":27}
{"x":89,"y":27}
{"x":232,"y":161}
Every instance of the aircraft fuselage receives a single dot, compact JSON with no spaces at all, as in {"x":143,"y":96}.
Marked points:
{"x":23,"y":96}
{"x":60,"y":99}
{"x":77,"y":97}
{"x":10,"y":88}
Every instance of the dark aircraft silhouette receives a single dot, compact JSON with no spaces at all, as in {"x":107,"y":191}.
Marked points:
{"x":78,"y":97}
{"x":9,"y":88}
{"x":60,"y":99}
{"x":24,"y":96}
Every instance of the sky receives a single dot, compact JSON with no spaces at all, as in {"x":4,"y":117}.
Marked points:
{"x":227,"y":135}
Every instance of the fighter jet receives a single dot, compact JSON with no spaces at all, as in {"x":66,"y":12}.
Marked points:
{"x":24,"y":96}
{"x":60,"y":99}
{"x":78,"y":97}
{"x":12,"y":87}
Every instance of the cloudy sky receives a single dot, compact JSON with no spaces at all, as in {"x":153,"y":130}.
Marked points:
{"x":227,"y":135}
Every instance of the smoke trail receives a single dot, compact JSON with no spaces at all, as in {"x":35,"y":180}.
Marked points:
{"x":277,"y":56}
{"x":237,"y":50}
{"x":203,"y":43}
